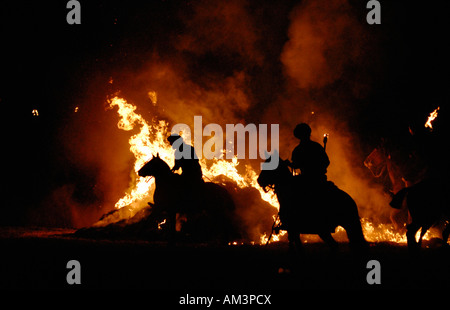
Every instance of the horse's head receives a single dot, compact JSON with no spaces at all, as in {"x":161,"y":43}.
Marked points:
{"x":154,"y":167}
{"x":376,"y":161}
{"x":268,"y":179}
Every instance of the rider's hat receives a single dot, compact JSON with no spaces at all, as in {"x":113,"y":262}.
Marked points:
{"x":302,"y":131}
{"x":173,"y":137}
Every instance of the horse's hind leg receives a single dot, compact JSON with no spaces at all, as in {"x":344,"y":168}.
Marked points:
{"x":328,"y":239}
{"x":411,"y":236}
{"x":422,"y":233}
{"x":446,"y":233}
{"x":355,"y":235}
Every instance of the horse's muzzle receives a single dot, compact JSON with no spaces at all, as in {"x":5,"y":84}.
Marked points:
{"x":141,"y":173}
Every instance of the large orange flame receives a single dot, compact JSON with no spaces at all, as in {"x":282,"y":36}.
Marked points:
{"x":151,"y":139}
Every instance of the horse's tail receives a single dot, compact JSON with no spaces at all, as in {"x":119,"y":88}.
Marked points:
{"x":398,"y":198}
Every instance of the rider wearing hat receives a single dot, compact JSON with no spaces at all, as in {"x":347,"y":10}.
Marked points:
{"x":309,"y":156}
{"x":186,"y":159}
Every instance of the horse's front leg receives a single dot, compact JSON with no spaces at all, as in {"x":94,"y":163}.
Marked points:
{"x":295,"y":244}
{"x":171,"y":226}
{"x":328,"y":239}
{"x":411,"y":236}
{"x":446,"y":233}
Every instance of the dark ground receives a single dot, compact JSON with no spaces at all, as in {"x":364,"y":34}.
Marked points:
{"x":36,"y":259}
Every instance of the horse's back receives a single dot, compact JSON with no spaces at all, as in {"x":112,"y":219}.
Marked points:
{"x":319,"y":209}
{"x":427,"y":200}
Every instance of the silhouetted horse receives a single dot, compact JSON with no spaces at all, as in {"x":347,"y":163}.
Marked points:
{"x":209,"y":209}
{"x":428,"y":202}
{"x":319,"y":215}
{"x":380,"y":163}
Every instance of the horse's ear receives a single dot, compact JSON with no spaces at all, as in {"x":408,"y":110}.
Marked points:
{"x":157,"y":155}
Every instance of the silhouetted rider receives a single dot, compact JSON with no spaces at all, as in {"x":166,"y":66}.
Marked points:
{"x":309,"y":156}
{"x":186,"y":159}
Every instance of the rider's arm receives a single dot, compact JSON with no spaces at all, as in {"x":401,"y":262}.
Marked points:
{"x":177,"y":165}
{"x":326,"y":159}
{"x":294,"y":163}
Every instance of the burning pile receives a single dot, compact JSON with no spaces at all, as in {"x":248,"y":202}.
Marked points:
{"x":151,"y":140}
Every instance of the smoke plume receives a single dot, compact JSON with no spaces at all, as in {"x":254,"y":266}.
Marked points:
{"x":235,"y":62}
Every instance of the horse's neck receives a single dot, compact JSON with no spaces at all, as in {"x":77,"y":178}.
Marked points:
{"x":395,"y":175}
{"x":167,"y":180}
{"x":283,"y":185}
{"x":163,"y":178}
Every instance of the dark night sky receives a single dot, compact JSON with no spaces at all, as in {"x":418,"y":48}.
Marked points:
{"x":47,"y":64}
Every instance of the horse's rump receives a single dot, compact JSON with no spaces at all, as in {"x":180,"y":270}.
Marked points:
{"x":427,"y":200}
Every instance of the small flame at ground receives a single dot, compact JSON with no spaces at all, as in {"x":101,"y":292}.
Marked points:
{"x":372,"y":232}
{"x":431,"y":118}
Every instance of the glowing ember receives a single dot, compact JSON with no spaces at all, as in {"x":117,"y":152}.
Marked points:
{"x":431,"y":118}
{"x":162,"y":223}
{"x":153,"y":97}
